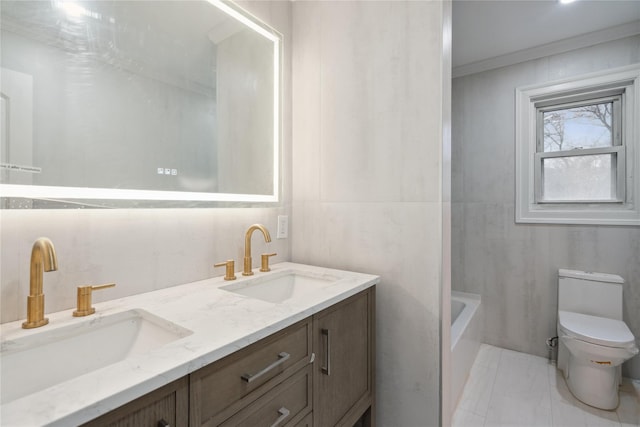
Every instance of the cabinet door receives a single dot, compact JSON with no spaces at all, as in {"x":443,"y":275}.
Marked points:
{"x":166,"y":406}
{"x":343,"y":371}
{"x":306,"y":421}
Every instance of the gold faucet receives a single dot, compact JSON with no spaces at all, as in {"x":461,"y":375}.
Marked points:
{"x":247,"y":246}
{"x":43,"y":258}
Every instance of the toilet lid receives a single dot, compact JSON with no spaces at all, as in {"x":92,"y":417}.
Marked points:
{"x":596,"y":330}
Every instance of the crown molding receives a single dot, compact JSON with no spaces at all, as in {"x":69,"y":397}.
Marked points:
{"x":589,"y":39}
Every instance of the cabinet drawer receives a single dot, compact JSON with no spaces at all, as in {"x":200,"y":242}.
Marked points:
{"x":285,"y":405}
{"x":223,"y":388}
{"x":168,"y":404}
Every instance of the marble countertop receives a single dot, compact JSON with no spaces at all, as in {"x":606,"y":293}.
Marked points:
{"x":221,"y":322}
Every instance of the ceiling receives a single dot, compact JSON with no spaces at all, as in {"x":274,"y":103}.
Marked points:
{"x":484,"y":29}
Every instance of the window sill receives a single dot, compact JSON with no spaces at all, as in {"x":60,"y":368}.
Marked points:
{"x":573,"y":214}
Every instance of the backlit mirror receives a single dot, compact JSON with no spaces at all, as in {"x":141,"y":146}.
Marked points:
{"x":137,"y":103}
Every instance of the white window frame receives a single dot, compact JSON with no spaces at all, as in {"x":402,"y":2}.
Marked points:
{"x":622,"y":84}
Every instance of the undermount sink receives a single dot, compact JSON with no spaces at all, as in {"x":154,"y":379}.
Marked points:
{"x":281,"y":287}
{"x":34,"y":362}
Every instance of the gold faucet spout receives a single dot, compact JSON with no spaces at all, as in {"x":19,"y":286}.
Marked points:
{"x":43,"y":258}
{"x":247,"y":246}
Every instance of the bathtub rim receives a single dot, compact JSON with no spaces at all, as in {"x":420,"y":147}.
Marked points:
{"x":472,"y":303}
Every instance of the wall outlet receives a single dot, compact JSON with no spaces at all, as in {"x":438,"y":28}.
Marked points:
{"x":283,"y":227}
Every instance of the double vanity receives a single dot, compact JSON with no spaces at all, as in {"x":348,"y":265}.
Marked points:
{"x":290,"y":347}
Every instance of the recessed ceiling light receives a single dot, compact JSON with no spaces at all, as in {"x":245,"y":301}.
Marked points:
{"x":566,"y":1}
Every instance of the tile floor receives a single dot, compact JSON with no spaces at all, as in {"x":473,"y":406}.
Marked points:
{"x":507,"y":388}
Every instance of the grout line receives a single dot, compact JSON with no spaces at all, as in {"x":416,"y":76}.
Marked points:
{"x":551,"y":374}
{"x":493,"y":383}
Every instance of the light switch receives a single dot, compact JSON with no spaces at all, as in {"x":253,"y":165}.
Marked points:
{"x":283,"y":227}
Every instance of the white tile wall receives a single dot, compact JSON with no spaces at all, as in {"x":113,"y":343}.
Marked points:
{"x":367,"y":196}
{"x":514,"y":267}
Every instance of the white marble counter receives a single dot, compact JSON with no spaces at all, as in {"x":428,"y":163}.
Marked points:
{"x":221,"y":323}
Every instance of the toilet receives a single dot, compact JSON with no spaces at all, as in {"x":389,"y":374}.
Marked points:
{"x":593,"y":339}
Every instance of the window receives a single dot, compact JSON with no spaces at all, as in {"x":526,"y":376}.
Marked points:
{"x":576,"y":150}
{"x":580,"y":152}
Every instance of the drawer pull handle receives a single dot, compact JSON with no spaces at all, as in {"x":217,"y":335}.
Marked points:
{"x":163,"y":423}
{"x":284,"y":413}
{"x":282,"y":357}
{"x":327,"y":369}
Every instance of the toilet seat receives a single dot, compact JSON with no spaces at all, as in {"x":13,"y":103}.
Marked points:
{"x":596,"y":330}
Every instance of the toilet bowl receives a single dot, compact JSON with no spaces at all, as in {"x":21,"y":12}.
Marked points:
{"x":593,"y":349}
{"x":593,"y":339}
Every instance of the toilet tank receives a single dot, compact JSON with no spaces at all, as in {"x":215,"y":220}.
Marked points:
{"x":597,"y":294}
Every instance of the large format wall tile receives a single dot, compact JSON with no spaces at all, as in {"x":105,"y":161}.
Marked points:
{"x":379,"y":238}
{"x":371,"y":75}
{"x":376,"y":109}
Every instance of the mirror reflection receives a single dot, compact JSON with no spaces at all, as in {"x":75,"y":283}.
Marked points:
{"x":167,"y":100}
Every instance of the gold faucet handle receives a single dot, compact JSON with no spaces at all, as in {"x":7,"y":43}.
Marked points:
{"x":265,"y":261}
{"x":84,"y":298}
{"x":230,"y":272}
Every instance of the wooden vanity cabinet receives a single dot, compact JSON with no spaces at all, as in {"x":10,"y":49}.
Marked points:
{"x":167,"y":406}
{"x":318,"y":372}
{"x":343,"y":381}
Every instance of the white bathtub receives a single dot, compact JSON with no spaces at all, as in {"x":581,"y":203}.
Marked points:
{"x":466,"y":336}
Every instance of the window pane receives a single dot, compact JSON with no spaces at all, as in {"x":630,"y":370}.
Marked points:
{"x":588,"y":126}
{"x":578,"y":177}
